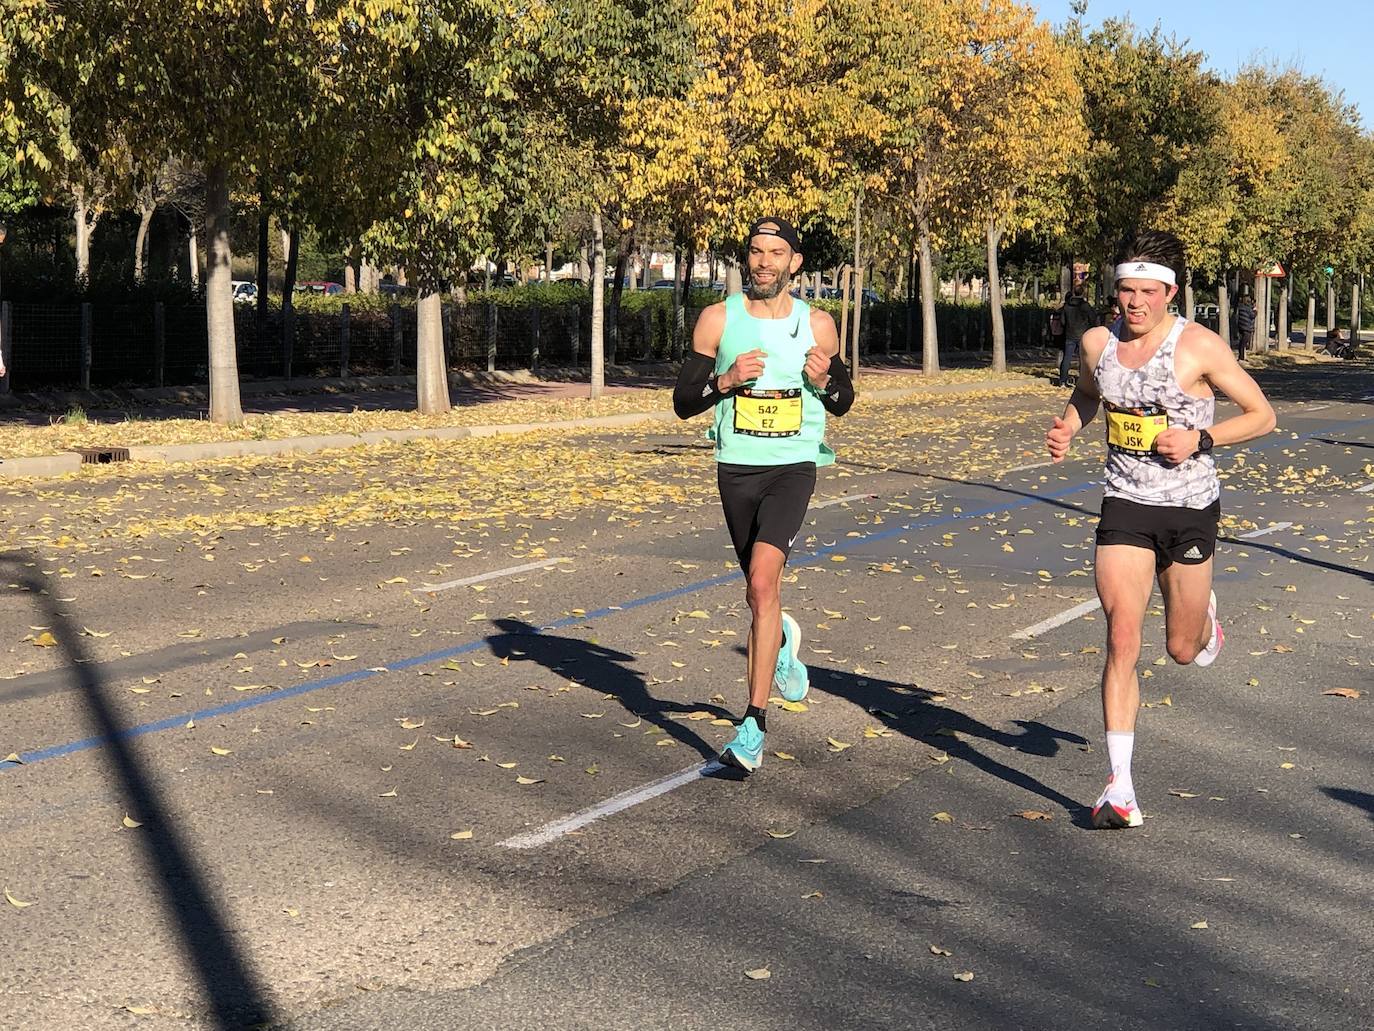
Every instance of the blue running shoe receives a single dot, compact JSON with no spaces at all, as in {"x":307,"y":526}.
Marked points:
{"x":746,"y":751}
{"x":790,"y":676}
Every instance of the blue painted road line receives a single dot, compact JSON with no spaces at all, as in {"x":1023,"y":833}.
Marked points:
{"x":172,"y":722}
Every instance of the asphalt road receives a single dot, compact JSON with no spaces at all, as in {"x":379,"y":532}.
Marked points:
{"x":276,"y":669}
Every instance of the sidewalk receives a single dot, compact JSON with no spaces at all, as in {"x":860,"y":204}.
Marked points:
{"x":392,"y":393}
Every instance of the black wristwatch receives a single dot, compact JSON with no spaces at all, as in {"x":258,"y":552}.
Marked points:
{"x":1204,"y":442}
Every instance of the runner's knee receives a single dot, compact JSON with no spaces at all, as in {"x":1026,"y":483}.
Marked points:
{"x":1182,"y":650}
{"x":762,"y":589}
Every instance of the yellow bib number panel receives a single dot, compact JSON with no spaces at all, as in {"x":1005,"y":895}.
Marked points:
{"x":768,"y":413}
{"x":1133,"y":430}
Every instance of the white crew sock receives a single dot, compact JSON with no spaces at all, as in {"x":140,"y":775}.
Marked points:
{"x":1120,"y":744}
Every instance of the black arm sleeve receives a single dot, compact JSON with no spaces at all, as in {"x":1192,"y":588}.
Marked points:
{"x":696,"y":390}
{"x":839,"y":392}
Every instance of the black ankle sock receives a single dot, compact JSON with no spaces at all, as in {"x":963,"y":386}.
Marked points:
{"x":760,"y":716}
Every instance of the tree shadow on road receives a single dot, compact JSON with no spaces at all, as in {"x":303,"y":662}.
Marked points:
{"x":914,"y":712}
{"x":601,"y":669}
{"x":1359,"y":799}
{"x":1297,"y":556}
{"x":230,"y":988}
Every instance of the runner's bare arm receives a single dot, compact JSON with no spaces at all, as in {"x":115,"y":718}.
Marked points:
{"x":825,"y":369}
{"x":697,"y":388}
{"x":1083,"y":403}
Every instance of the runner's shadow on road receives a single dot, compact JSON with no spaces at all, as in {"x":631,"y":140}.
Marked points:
{"x":912,"y":711}
{"x":228,"y":985}
{"x":1359,"y":799}
{"x":604,"y":670}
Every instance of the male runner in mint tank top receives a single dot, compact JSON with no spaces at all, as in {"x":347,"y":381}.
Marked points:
{"x":769,"y":365}
{"x":1155,"y":373}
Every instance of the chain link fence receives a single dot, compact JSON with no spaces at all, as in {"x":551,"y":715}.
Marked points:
{"x":152,"y":345}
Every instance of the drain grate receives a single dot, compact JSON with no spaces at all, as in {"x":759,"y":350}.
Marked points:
{"x":102,"y":455}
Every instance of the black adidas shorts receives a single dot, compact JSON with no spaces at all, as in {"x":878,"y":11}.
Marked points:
{"x":1187,"y":536}
{"x":764,"y":503}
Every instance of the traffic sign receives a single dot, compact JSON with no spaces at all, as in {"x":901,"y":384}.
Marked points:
{"x":1274,"y":271}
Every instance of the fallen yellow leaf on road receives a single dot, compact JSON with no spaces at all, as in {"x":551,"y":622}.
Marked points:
{"x":1342,"y":692}
{"x":44,"y":640}
{"x":837,"y":746}
{"x":966,"y":975}
{"x":388,"y":794}
{"x":16,"y":903}
{"x":130,"y":822}
{"x":1033,"y":814}
{"x":936,"y":950}
{"x":221,"y":751}
{"x":942,"y":818}
{"x":461,"y":835}
{"x":761,"y":974}
{"x":781,"y":834}
{"x":529,"y":780}
{"x":1201,"y":925}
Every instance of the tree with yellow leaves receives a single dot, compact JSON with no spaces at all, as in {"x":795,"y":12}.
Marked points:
{"x":766,"y":126}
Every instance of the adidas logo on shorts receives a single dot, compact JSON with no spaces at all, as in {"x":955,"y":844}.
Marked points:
{"x":1193,"y":552}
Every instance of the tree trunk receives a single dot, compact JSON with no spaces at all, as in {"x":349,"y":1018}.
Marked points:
{"x":598,"y":306}
{"x":146,"y":211}
{"x":264,"y":259}
{"x":622,"y":262}
{"x":584,"y":270}
{"x":1281,"y":328}
{"x":548,"y":260}
{"x":999,"y":329}
{"x":1307,"y":337}
{"x":86,"y":218}
{"x":679,"y":323}
{"x":225,"y":407}
{"x":1355,"y":311}
{"x":1189,"y":308}
{"x":193,"y":253}
{"x":1330,"y":305}
{"x":351,"y":270}
{"x":647,"y":270}
{"x":1223,"y":311}
{"x":291,"y":253}
{"x":431,"y":373}
{"x":930,"y":344}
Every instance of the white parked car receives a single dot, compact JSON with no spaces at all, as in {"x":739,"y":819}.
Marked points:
{"x":245,"y":291}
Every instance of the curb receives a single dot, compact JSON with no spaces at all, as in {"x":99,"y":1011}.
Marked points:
{"x":65,"y":464}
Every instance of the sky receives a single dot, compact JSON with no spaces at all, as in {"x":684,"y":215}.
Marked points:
{"x":1333,"y":39}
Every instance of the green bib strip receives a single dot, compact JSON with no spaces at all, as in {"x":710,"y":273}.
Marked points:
{"x":778,"y":419}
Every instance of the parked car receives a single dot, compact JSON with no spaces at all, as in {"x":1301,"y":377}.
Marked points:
{"x":245,"y":291}
{"x":319,"y":287}
{"x":1206,"y":311}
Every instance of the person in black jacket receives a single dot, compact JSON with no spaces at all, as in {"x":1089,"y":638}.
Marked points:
{"x":1245,"y":325}
{"x":1079,"y":317}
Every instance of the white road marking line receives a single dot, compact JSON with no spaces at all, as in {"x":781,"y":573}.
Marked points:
{"x":1271,"y":528}
{"x":1057,"y":621}
{"x":1027,"y":468}
{"x":494,"y":574}
{"x":839,"y":501}
{"x":615,"y":804}
{"x":1365,"y":489}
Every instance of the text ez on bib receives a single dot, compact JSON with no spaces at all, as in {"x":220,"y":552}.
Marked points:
{"x":768,"y":413}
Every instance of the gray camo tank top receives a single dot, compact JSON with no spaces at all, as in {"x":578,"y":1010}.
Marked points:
{"x":1138,"y":404}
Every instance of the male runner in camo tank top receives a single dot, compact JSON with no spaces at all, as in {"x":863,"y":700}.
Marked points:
{"x":1154,"y":374}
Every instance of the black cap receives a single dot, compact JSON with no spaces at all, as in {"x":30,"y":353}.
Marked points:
{"x":779,"y":227}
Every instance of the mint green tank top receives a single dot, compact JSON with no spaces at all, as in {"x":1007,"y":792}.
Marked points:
{"x":778,"y":419}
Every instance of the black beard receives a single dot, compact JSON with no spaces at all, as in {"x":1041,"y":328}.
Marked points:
{"x":760,"y":292}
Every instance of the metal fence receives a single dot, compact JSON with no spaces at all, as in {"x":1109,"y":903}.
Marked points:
{"x":151,"y":345}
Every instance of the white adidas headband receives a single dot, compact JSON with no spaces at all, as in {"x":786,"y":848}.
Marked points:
{"x":1146,"y":270}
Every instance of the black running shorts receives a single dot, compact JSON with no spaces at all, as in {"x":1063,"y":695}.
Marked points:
{"x":1187,"y":536}
{"x":764,"y":503}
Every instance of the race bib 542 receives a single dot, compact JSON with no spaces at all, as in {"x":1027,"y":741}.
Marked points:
{"x":768,"y":413}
